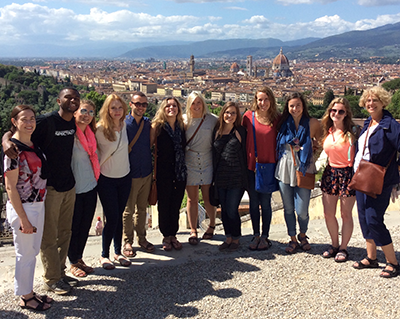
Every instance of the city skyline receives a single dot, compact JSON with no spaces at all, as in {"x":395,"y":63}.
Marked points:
{"x":131,"y":22}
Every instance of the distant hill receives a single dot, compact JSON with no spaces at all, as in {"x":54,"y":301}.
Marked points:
{"x":208,"y":48}
{"x":382,"y":41}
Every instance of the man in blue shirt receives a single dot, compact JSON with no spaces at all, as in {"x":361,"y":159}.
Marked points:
{"x":140,"y":158}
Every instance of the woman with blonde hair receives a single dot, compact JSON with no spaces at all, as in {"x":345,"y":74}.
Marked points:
{"x":379,"y":143}
{"x":114,"y":183}
{"x":338,"y":141}
{"x":261,"y":119}
{"x":199,"y":125}
{"x":230,"y":171}
{"x":171,"y":169}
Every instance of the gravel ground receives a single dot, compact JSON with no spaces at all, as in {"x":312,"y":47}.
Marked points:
{"x":244,"y":284}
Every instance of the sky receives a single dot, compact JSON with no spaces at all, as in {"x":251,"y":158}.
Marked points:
{"x":135,"y":21}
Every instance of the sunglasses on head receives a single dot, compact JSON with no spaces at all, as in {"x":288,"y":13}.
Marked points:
{"x":340,"y":112}
{"x":85,"y":111}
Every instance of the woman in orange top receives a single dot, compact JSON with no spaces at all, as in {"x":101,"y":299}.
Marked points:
{"x":339,"y":145}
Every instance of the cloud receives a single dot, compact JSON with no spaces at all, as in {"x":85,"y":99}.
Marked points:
{"x":236,"y":8}
{"x":37,"y":24}
{"x":290,"y":2}
{"x":377,"y":3}
{"x":205,"y":1}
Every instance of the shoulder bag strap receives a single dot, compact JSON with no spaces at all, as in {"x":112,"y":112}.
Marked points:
{"x":119,"y":142}
{"x":155,"y":161}
{"x":365,"y":143}
{"x":195,"y":132}
{"x":136,"y":136}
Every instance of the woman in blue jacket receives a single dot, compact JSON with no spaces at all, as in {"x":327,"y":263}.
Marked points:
{"x":383,"y":142}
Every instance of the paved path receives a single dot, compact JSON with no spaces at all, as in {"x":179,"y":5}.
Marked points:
{"x":201,"y":282}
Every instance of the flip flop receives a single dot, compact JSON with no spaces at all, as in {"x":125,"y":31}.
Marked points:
{"x":123,"y":261}
{"x":106,"y":263}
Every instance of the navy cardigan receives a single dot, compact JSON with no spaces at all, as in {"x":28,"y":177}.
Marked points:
{"x":382,"y":144}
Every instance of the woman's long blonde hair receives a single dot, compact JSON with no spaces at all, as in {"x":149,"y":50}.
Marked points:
{"x":190,"y":100}
{"x":348,"y":123}
{"x":160,"y":118}
{"x":105,"y":119}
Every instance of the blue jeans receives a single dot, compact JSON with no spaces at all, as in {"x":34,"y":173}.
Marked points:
{"x":113,"y":194}
{"x":257,"y":199}
{"x":230,"y":200}
{"x":295,"y":198}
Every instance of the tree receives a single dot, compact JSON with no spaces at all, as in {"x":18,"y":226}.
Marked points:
{"x":97,"y":98}
{"x":328,"y":97}
{"x":357,"y":111}
{"x":394,"y":106}
{"x":392,"y":86}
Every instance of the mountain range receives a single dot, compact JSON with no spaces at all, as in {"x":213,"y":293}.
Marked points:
{"x":381,"y":41}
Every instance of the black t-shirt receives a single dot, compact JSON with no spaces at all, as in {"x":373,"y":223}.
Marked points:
{"x":55,"y":136}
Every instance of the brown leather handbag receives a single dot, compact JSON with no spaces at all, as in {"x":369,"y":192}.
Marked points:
{"x":368,"y":178}
{"x":307,"y":181}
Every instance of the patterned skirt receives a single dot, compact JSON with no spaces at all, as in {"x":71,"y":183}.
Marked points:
{"x":335,"y":181}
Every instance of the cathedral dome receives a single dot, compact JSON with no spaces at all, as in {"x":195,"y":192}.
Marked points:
{"x":234,"y":67}
{"x":281,"y":59}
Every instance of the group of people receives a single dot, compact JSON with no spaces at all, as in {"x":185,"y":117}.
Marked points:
{"x":57,"y":164}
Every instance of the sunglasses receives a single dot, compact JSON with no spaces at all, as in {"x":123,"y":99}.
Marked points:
{"x":85,"y":111}
{"x":340,"y":112}
{"x":230,"y":113}
{"x":138,"y":104}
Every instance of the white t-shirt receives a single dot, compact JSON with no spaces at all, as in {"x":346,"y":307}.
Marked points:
{"x":361,"y":141}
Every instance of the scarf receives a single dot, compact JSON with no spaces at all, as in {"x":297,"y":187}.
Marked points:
{"x":176,"y":136}
{"x":23,"y":147}
{"x":88,"y":142}
{"x":300,"y":140}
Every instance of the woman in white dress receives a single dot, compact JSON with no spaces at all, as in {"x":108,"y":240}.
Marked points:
{"x":199,"y":127}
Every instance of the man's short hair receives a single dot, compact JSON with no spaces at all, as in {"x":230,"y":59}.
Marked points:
{"x":68,"y":88}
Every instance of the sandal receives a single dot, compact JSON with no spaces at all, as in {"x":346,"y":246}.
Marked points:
{"x":167,"y":246}
{"x":128,"y":250}
{"x":233,"y":247}
{"x":123,"y":261}
{"x":264,"y":244}
{"x":254,"y":243}
{"x":77,"y":271}
{"x":209,"y":234}
{"x":175,"y":243}
{"x":386,"y":273}
{"x":330,"y":252}
{"x":106,"y":263}
{"x":372,"y":263}
{"x":39,"y":306}
{"x":292,"y":247}
{"x":304,"y":244}
{"x":44,"y":298}
{"x":224,"y":246}
{"x":193,"y":240}
{"x":148,"y":247}
{"x":87,"y":269}
{"x":342,"y":256}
